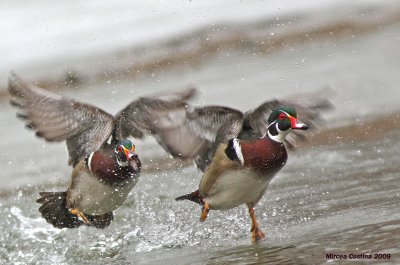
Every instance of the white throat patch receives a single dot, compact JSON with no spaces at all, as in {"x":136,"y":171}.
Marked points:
{"x":122,"y":164}
{"x":281,"y":134}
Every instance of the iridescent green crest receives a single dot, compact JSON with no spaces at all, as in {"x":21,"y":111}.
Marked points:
{"x":275,"y":114}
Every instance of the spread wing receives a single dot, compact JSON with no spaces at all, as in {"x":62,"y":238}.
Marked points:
{"x":211,"y":125}
{"x":183,"y":131}
{"x":56,"y":118}
{"x":138,"y":118}
{"x":308,"y":106}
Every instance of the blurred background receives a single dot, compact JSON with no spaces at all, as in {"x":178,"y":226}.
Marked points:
{"x":339,"y":192}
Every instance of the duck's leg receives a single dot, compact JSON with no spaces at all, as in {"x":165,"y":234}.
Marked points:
{"x":256,"y":233}
{"x":80,"y":215}
{"x":204,"y":212}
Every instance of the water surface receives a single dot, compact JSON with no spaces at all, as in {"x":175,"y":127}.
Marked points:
{"x":340,"y":198}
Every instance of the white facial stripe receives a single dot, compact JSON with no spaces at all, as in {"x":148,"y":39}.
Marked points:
{"x":280,"y":136}
{"x":271,"y":124}
{"x":90,"y":161}
{"x":277,"y":128}
{"x":122,"y":164}
{"x":238,"y":151}
{"x":286,"y":113}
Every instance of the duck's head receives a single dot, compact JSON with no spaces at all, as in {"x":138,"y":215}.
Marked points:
{"x":125,"y":154}
{"x":281,"y":121}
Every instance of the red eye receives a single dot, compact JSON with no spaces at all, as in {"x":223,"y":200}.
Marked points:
{"x":119,"y":149}
{"x":282,"y":116}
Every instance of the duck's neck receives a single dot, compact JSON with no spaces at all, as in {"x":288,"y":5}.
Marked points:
{"x":275,"y":134}
{"x":122,"y":163}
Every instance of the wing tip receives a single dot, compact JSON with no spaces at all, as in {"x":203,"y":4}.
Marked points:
{"x":16,"y":84}
{"x":191,"y":92}
{"x":12,"y":79}
{"x":12,"y":74}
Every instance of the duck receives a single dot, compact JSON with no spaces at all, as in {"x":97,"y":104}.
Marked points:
{"x":104,"y":160}
{"x":100,"y":183}
{"x":105,"y":163}
{"x":241,"y":170}
{"x":238,"y":153}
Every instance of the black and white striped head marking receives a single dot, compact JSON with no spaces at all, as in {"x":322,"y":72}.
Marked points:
{"x":281,"y":121}
{"x":124,"y":152}
{"x":275,"y":133}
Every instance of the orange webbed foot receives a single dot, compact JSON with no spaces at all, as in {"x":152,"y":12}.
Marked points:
{"x":81,"y":216}
{"x":256,"y":233}
{"x":204,"y":212}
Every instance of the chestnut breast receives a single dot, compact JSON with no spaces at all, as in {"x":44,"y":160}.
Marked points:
{"x":264,"y":155}
{"x":104,"y":165}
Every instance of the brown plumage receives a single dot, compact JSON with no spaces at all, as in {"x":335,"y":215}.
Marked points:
{"x":241,"y":170}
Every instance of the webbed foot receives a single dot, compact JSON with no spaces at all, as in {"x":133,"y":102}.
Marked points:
{"x":204,"y":212}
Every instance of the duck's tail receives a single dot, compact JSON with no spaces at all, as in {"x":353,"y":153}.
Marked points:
{"x":194,"y":197}
{"x":54,"y":210}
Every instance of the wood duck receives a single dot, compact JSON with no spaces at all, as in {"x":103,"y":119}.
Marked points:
{"x":241,"y":170}
{"x":239,"y":153}
{"x":105,"y":165}
{"x":99,"y":184}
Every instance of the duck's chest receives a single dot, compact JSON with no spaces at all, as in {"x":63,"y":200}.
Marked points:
{"x":105,"y":167}
{"x":264,"y":156}
{"x":94,"y":196}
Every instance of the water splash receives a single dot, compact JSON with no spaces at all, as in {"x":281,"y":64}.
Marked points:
{"x":35,"y":228}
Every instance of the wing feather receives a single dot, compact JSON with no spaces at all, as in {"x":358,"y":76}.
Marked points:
{"x":183,"y":131}
{"x":138,"y":119}
{"x":56,"y":118}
